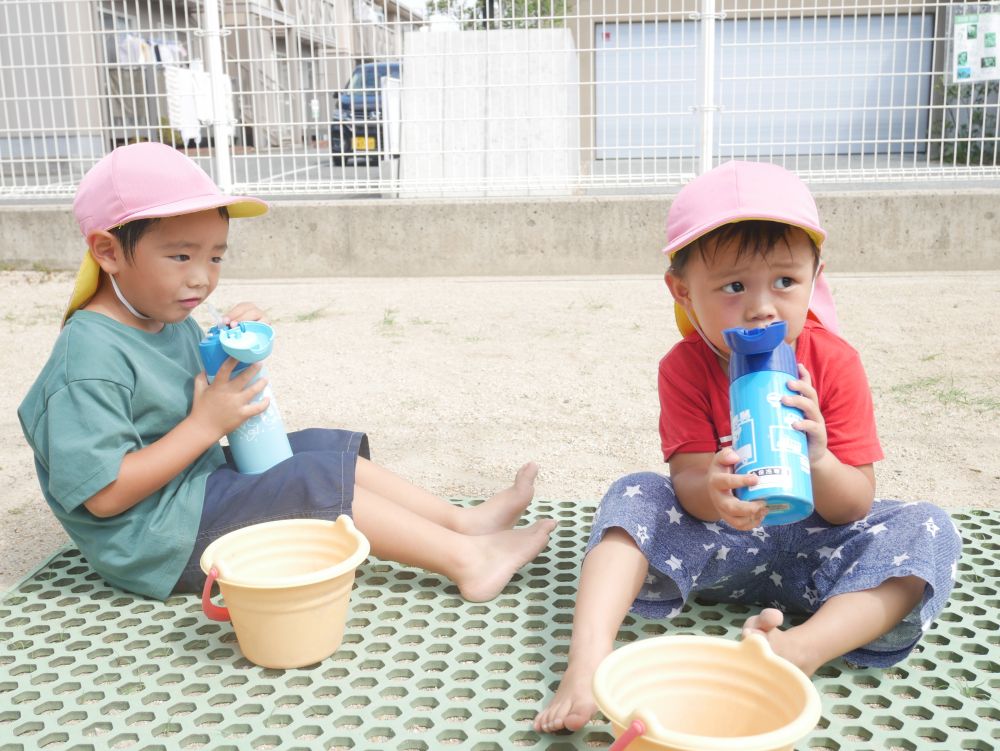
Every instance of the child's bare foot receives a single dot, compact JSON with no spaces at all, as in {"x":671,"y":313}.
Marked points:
{"x":783,"y":643}
{"x":493,"y":559}
{"x":573,"y":705}
{"x":502,"y":510}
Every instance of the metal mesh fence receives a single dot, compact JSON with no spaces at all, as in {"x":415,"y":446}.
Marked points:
{"x":498,"y":97}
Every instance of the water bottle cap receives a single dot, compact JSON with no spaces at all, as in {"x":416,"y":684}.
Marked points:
{"x":756,"y":350}
{"x":756,"y":341}
{"x":250,"y":341}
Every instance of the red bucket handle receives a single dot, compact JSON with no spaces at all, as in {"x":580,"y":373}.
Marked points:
{"x":213,"y":611}
{"x":636,"y":729}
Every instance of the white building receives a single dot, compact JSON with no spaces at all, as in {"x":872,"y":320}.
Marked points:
{"x":82,"y":77}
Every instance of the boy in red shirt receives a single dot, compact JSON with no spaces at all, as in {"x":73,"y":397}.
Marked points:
{"x":744,"y":244}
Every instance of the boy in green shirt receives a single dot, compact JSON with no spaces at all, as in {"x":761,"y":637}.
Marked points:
{"x":125,"y":427}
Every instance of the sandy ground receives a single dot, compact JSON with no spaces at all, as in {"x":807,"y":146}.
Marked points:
{"x":458,"y":381}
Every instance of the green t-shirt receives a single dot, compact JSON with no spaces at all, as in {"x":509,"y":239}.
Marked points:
{"x":108,"y":389}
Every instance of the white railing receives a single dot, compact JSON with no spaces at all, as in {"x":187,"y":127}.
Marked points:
{"x":494,"y":97}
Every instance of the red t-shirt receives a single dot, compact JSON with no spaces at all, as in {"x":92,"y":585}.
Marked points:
{"x":694,"y":397}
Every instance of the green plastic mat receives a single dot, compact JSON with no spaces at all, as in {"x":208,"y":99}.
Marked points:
{"x":87,"y":666}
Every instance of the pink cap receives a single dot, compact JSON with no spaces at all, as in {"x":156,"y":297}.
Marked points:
{"x":147,"y":180}
{"x":737,"y":192}
{"x":142,"y":181}
{"x":744,"y":191}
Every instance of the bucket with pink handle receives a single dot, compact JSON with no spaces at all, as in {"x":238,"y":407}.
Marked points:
{"x":704,"y":693}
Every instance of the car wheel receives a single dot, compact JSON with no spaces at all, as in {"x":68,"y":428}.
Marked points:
{"x":338,"y":145}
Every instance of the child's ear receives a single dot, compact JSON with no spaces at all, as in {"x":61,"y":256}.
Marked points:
{"x":678,"y":289}
{"x":106,"y":250}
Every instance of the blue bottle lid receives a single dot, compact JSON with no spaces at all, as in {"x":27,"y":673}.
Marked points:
{"x":249,"y":342}
{"x":756,"y":350}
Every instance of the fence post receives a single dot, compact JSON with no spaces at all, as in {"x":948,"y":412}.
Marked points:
{"x":221,"y":126}
{"x":706,"y":106}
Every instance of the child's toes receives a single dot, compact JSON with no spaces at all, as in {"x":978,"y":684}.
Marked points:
{"x":767,"y":620}
{"x":545,"y":721}
{"x":578,"y":717}
{"x":525,"y":477}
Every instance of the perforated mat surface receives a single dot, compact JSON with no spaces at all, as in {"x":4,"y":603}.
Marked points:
{"x":86,"y":666}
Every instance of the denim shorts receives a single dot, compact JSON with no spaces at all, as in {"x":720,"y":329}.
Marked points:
{"x":316,"y":482}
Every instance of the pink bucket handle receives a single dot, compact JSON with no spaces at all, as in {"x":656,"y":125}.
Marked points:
{"x":213,"y":611}
{"x":636,"y":729}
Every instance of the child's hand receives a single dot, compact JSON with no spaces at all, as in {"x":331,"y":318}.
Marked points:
{"x":226,"y":403}
{"x":244,"y":311}
{"x":814,"y":426}
{"x":721,"y":483}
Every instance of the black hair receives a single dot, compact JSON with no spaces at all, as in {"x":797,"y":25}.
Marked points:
{"x":755,"y":237}
{"x":128,"y":234}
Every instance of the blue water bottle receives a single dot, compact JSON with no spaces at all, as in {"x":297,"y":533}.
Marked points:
{"x":760,"y":367}
{"x":260,"y":442}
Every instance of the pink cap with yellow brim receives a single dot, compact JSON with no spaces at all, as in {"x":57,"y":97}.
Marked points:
{"x":143,"y":181}
{"x":745,"y":191}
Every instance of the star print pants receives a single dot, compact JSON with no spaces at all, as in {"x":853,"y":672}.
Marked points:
{"x":794,"y":567}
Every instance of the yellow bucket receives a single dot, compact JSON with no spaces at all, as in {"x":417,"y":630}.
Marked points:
{"x":703,"y":693}
{"x":286,"y":585}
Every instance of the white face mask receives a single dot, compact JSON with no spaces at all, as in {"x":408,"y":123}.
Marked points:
{"x":812,"y":289}
{"x":697,"y":327}
{"x":126,"y":303}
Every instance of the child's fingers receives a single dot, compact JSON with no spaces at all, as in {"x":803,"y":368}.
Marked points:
{"x":804,"y":383}
{"x":728,"y":481}
{"x":225,"y":371}
{"x":726,"y":458}
{"x":738,"y":514}
{"x":807,"y":426}
{"x":236,"y":313}
{"x":744,"y":525}
{"x":744,"y":515}
{"x":255,"y":408}
{"x":804,"y":388}
{"x":806,"y":406}
{"x":255,"y":388}
{"x":245,"y":311}
{"x":741,"y":509}
{"x":246,"y":375}
{"x":200,"y":383}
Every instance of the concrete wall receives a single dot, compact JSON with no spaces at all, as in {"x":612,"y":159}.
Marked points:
{"x":947,"y":230}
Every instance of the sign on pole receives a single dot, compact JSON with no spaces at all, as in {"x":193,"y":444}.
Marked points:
{"x":974,"y":42}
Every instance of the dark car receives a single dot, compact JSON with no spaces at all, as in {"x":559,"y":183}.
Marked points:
{"x":358,"y":123}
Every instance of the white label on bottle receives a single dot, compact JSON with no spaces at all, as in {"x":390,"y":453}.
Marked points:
{"x":772,"y":477}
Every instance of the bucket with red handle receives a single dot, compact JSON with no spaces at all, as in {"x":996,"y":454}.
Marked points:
{"x":286,"y":586}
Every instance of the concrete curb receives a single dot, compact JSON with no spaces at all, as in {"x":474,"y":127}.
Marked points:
{"x":940,"y":230}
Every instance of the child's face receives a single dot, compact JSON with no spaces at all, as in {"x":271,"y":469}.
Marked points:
{"x":750,"y":292}
{"x":176,"y":265}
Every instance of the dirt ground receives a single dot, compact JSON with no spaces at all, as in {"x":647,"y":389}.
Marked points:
{"x":460,"y":380}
